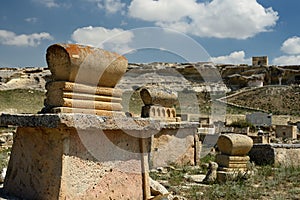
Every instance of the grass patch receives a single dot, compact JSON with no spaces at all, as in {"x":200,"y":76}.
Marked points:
{"x":4,"y":155}
{"x":267,"y":183}
{"x":21,"y":101}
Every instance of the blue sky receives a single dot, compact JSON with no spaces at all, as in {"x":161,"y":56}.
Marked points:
{"x":226,"y":31}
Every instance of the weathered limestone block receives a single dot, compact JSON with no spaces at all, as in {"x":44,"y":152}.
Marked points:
{"x":58,"y":95}
{"x":232,"y":161}
{"x":211,"y":175}
{"x":68,"y":97}
{"x":84,"y":64}
{"x":233,"y":175}
{"x":174,"y":145}
{"x":61,"y":86}
{"x":74,"y":156}
{"x":276,"y":154}
{"x":234,"y":167}
{"x":157,"y":188}
{"x":158,"y":96}
{"x":159,"y":112}
{"x":87,"y":104}
{"x":106,"y":113}
{"x":234,"y":144}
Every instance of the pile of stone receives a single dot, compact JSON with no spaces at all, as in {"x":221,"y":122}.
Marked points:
{"x":159,"y":103}
{"x":83,"y":80}
{"x":233,"y":160}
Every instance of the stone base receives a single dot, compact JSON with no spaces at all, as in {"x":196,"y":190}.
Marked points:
{"x":232,"y":161}
{"x":65,"y":163}
{"x":276,"y":154}
{"x":159,"y":112}
{"x":223,"y":176}
{"x":178,"y":146}
{"x":79,"y":156}
{"x":233,"y":169}
{"x":105,"y":113}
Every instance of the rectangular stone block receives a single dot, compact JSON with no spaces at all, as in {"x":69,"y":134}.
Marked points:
{"x":223,"y":176}
{"x":235,"y":165}
{"x":57,"y":95}
{"x":276,"y":154}
{"x":232,"y":169}
{"x":85,"y":64}
{"x":159,"y":112}
{"x":174,"y":146}
{"x":106,"y":113}
{"x":87,"y":104}
{"x":82,"y":88}
{"x":232,"y":161}
{"x":54,"y":160}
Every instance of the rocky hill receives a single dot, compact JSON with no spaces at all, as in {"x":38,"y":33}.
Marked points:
{"x":273,"y":99}
{"x":206,"y":80}
{"x":23,"y":78}
{"x":178,"y":76}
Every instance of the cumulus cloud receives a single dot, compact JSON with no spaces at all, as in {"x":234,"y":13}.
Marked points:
{"x":11,"y":38}
{"x":110,"y":6}
{"x":47,"y":3}
{"x":237,"y":57}
{"x":291,"y":45}
{"x":162,"y":10}
{"x":111,"y":39}
{"x":239,"y":19}
{"x":287,"y":60}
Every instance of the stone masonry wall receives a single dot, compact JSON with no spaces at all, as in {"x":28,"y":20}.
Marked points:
{"x":276,"y":154}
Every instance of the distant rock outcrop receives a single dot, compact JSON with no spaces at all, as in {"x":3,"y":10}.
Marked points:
{"x":236,"y":77}
{"x":199,"y":77}
{"x":177,"y":76}
{"x":23,"y":78}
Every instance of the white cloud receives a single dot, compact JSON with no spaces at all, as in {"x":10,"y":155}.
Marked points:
{"x":162,"y":10}
{"x":239,"y":19}
{"x":110,"y":39}
{"x":287,"y":60}
{"x":10,"y":38}
{"x":110,"y":6}
{"x":31,"y":20}
{"x":237,"y":57}
{"x":53,"y":3}
{"x":48,"y":3}
{"x":291,"y":45}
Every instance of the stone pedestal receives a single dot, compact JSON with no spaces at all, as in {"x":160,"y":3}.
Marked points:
{"x":159,"y":112}
{"x":176,"y":143}
{"x":85,"y":64}
{"x":80,"y":156}
{"x":231,"y":163}
{"x":233,"y":160}
{"x":75,"y":156}
{"x":276,"y":154}
{"x":83,"y":80}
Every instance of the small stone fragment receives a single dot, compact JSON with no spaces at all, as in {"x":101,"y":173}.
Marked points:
{"x":211,"y":175}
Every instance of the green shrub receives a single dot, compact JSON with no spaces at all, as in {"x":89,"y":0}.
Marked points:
{"x":241,"y":124}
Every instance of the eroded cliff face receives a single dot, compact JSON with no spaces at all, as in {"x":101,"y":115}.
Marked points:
{"x":177,"y":76}
{"x":197,"y":77}
{"x":23,"y":78}
{"x":236,"y":77}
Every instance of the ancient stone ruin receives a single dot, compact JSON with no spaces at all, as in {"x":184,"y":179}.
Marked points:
{"x":159,"y":103}
{"x":233,"y":159}
{"x":83,"y":80}
{"x":82,"y":146}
